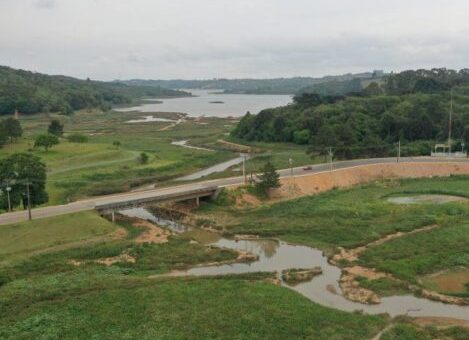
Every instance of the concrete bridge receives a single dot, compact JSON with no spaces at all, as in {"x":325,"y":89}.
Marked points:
{"x":151,"y":197}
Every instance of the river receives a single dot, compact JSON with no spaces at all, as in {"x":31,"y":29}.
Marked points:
{"x":208,"y":103}
{"x":276,"y":256}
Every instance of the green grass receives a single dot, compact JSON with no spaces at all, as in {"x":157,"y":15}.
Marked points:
{"x":176,"y":309}
{"x":407,"y":331}
{"x":360,"y":215}
{"x":415,"y":255}
{"x":346,"y":218}
{"x":25,"y":238}
{"x":77,"y":170}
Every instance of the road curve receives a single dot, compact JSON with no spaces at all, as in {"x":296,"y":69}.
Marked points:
{"x":89,"y":204}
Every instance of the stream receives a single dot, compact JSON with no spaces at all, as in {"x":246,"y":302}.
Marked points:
{"x":323,"y":289}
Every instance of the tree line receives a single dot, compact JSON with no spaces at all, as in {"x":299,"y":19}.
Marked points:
{"x":411,"y":106}
{"x":30,"y":92}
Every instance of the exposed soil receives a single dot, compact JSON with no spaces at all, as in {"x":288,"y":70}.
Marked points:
{"x":109,"y":261}
{"x":247,"y":200}
{"x":352,"y":290}
{"x":119,"y":234}
{"x":450,"y":280}
{"x":345,"y":178}
{"x":440,"y":322}
{"x":435,"y":199}
{"x":152,"y":234}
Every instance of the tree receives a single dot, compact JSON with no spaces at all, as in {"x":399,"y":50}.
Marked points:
{"x":56,"y":128}
{"x":11,"y":128}
{"x":17,"y":171}
{"x":269,"y":179}
{"x":46,"y":141}
{"x":116,"y":143}
{"x":143,"y":158}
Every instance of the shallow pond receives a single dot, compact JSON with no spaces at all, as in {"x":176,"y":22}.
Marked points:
{"x":434,"y":199}
{"x":276,"y":256}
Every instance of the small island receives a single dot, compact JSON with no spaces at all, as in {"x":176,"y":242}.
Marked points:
{"x":217,"y":102}
{"x":299,"y":275}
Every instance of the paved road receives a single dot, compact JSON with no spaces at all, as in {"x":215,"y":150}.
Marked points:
{"x":89,"y":204}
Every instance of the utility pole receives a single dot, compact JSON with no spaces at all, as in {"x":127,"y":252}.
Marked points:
{"x":29,"y":199}
{"x":244,"y":168}
{"x":330,"y":158}
{"x":450,"y":121}
{"x":398,"y":151}
{"x":8,"y":189}
{"x":291,"y":166}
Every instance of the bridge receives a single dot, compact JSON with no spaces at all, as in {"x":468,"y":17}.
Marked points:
{"x":208,"y":188}
{"x":152,"y":197}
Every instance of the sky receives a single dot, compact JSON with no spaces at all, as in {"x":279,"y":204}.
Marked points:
{"x":203,"y":39}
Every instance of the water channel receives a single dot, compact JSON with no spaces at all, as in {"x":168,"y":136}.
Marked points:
{"x":323,"y":289}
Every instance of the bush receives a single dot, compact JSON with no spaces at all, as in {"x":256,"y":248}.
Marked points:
{"x":77,"y":138}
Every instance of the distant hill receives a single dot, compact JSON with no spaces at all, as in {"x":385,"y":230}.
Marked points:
{"x":31,"y":92}
{"x":411,"y":107}
{"x":262,"y":86}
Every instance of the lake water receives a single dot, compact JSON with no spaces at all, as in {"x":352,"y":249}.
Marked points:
{"x":228,"y":105}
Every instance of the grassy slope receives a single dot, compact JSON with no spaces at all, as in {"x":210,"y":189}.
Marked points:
{"x":346,"y":218}
{"x":20,"y":240}
{"x":179,"y":309}
{"x":97,"y":167}
{"x":47,"y":297}
{"x":357,"y":216}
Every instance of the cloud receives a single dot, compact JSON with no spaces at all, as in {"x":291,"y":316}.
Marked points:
{"x":44,"y":4}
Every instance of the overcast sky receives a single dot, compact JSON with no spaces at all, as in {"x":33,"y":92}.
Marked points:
{"x":163,"y":39}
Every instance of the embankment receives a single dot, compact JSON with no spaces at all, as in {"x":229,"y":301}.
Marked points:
{"x":344,"y":178}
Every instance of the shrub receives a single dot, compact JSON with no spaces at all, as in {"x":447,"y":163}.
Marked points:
{"x":77,"y":138}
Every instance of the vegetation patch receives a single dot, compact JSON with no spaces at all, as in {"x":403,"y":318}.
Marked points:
{"x":298,"y":275}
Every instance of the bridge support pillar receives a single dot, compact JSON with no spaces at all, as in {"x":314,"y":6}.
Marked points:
{"x":197,"y":201}
{"x":113,"y":216}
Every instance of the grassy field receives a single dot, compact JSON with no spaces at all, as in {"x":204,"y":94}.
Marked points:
{"x":99,"y":167}
{"x":47,"y":296}
{"x":23,"y":239}
{"x":355,"y":217}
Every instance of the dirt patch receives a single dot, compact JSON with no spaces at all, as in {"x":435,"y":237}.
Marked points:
{"x":367,"y":273}
{"x":119,"y":234}
{"x":353,"y":254}
{"x":247,"y":200}
{"x":152,"y":234}
{"x":450,"y":280}
{"x":352,"y":291}
{"x":109,"y":261}
{"x":440,"y":322}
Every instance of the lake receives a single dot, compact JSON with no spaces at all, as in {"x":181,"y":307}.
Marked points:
{"x":209,"y":103}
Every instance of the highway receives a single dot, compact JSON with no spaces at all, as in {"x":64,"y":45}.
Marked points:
{"x":90,"y":203}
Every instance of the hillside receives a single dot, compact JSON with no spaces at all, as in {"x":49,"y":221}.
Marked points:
{"x":31,"y":92}
{"x":411,"y":106}
{"x":258,"y":86}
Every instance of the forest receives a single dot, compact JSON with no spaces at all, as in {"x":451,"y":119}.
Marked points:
{"x":30,"y":92}
{"x":411,"y":107}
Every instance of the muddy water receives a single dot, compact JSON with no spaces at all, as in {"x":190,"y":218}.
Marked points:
{"x":276,"y":256}
{"x":214,"y":169}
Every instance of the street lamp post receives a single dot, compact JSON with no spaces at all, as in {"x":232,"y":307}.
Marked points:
{"x":8,"y":197}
